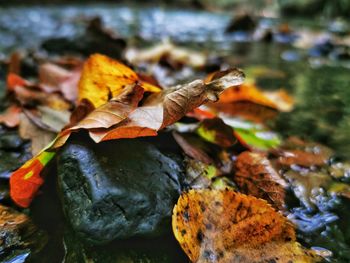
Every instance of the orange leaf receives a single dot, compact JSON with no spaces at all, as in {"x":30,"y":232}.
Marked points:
{"x":25,"y":182}
{"x":256,"y":176}
{"x":225,"y":226}
{"x":14,"y":80}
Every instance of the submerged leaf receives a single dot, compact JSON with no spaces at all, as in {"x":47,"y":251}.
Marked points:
{"x":226,"y":226}
{"x":256,"y":176}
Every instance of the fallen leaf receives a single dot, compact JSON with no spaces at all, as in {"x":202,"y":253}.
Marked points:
{"x":107,"y":115}
{"x":26,"y":181}
{"x":256,"y":176}
{"x":47,"y":118}
{"x":249,"y":101}
{"x":341,"y":189}
{"x":217,"y":132}
{"x":198,"y":175}
{"x":54,"y":78}
{"x":162,"y":109}
{"x":193,"y":147}
{"x":104,"y":78}
{"x":252,"y":136}
{"x":14,"y":80}
{"x":39,"y":138}
{"x":226,"y":226}
{"x":11,"y":116}
{"x":175,"y":56}
{"x":29,"y":96}
{"x":302,"y":158}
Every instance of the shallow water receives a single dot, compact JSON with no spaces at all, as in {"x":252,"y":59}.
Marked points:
{"x":322,"y":93}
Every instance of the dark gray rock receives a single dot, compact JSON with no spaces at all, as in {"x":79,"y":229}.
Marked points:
{"x":118,"y":189}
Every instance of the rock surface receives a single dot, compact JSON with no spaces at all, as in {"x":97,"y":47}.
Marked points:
{"x":118,"y":189}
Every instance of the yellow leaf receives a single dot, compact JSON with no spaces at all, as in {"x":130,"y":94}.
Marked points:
{"x":104,"y":78}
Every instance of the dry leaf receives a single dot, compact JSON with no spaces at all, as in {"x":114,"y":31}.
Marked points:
{"x":176,"y":56}
{"x":250,"y":102}
{"x":55,"y":78}
{"x":256,"y":176}
{"x":104,"y":78}
{"x":162,"y":109}
{"x":193,"y":147}
{"x":226,"y":226}
{"x":11,"y":116}
{"x":39,"y":137}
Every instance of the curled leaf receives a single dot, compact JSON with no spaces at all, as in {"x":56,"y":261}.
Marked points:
{"x":162,"y":109}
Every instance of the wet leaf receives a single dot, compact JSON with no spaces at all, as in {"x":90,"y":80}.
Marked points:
{"x":256,"y":176}
{"x":226,"y":226}
{"x":341,"y":189}
{"x":295,"y":151}
{"x":104,"y":78}
{"x":11,"y":116}
{"x":302,"y":158}
{"x":308,"y":186}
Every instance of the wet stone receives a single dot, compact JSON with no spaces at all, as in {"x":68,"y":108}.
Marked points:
{"x":117,"y":190}
{"x":19,"y":237}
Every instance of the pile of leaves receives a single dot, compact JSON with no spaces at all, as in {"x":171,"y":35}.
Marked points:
{"x":238,"y":172}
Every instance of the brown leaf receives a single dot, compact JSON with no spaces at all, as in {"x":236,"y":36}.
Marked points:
{"x":193,"y":147}
{"x":39,"y":137}
{"x":256,"y":176}
{"x":84,"y":108}
{"x":11,"y":116}
{"x":55,"y":78}
{"x":110,"y":114}
{"x":225,"y":226}
{"x":302,"y":158}
{"x":165,"y":108}
{"x":217,"y":132}
{"x":29,"y":96}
